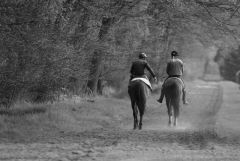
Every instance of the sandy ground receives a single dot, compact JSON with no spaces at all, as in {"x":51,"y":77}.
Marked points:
{"x":208,"y":130}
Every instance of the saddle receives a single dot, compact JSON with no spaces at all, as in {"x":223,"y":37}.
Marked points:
{"x":145,"y":80}
{"x":175,"y":77}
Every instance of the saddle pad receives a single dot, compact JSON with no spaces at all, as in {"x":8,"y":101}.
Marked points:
{"x":146,"y":81}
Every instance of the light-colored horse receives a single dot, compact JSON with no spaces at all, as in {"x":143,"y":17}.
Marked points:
{"x":173,"y":93}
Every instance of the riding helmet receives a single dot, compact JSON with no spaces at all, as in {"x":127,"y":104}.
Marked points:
{"x":142,"y":55}
{"x":174,"y":53}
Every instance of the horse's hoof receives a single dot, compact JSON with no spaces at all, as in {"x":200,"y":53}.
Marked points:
{"x":159,"y":101}
{"x":135,"y":127}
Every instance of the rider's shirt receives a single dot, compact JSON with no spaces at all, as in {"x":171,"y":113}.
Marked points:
{"x":175,"y":67}
{"x":138,"y":67}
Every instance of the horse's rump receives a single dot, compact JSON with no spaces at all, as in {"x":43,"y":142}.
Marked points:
{"x":137,"y":90}
{"x":138,"y":87}
{"x":173,"y":88}
{"x":145,"y":80}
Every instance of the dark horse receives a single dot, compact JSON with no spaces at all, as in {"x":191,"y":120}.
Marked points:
{"x":173,"y":93}
{"x":138,"y":92}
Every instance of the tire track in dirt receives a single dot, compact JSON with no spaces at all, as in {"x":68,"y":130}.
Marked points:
{"x":208,"y":116}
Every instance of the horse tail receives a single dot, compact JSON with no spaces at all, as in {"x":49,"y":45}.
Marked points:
{"x":170,"y":107}
{"x":173,"y":95}
{"x":141,"y":97}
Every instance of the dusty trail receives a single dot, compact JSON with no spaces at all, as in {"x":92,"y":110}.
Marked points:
{"x":196,"y":138}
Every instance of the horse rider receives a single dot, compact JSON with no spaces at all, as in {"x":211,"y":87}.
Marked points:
{"x":138,"y":67}
{"x":174,"y":69}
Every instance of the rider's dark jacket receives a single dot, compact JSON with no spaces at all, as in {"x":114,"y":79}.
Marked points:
{"x":138,"y":67}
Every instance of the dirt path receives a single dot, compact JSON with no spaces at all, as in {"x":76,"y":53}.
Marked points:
{"x":196,"y":138}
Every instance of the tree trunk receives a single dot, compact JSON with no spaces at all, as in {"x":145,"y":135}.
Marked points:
{"x":205,"y":69}
{"x":96,"y":62}
{"x":95,"y":70}
{"x":163,"y":59}
{"x":100,"y":87}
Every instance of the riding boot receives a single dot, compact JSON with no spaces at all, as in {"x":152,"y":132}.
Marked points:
{"x":161,"y":96}
{"x":185,"y":102}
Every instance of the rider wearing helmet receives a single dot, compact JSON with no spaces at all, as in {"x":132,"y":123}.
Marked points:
{"x":138,"y":67}
{"x":174,"y":69}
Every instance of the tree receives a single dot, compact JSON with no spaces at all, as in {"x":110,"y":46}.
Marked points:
{"x":46,"y":44}
{"x":229,"y":62}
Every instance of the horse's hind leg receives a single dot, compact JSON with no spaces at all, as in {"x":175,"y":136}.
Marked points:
{"x":135,"y":117}
{"x":175,"y":121}
{"x":140,"y":122}
{"x":176,"y":114}
{"x":170,"y":112}
{"x":135,"y":113}
{"x":141,"y":111}
{"x":170,"y":118}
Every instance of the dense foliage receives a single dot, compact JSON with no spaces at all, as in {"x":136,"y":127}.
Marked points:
{"x":229,"y":62}
{"x":53,"y":46}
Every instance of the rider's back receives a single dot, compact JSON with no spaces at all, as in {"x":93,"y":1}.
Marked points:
{"x":175,"y":67}
{"x":138,"y":67}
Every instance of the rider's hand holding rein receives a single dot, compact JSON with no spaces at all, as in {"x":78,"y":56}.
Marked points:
{"x":155,"y":79}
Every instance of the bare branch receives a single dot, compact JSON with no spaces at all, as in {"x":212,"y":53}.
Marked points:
{"x":236,"y":10}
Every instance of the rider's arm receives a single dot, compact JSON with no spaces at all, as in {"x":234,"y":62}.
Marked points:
{"x":150,"y":70}
{"x":181,"y":65}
